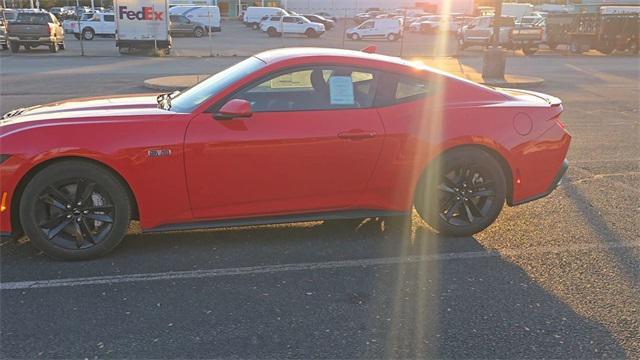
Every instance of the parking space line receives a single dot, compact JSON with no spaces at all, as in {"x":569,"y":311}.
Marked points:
{"x":266,"y":269}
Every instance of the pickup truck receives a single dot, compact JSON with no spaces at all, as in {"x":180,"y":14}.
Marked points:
{"x":479,"y":32}
{"x":33,"y":28}
{"x":92,"y":25}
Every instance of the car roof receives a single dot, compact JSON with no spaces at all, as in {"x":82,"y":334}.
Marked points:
{"x":283,"y":54}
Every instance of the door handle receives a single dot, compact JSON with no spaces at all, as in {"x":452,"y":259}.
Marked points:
{"x":357,"y":135}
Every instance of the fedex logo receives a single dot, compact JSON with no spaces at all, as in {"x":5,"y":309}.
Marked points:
{"x":146,"y":13}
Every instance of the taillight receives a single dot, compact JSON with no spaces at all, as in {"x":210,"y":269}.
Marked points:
{"x":49,"y":29}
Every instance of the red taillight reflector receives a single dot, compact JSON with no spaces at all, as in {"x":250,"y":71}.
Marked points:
{"x":559,"y":122}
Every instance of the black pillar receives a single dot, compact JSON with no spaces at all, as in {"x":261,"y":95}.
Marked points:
{"x":494,"y":60}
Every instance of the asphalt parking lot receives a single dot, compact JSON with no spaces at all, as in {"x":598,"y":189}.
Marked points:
{"x":556,"y":278}
{"x":238,"y":40}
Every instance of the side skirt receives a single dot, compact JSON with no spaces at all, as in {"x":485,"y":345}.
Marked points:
{"x":272,"y":220}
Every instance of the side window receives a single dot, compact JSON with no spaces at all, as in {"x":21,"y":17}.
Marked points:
{"x":317,"y":88}
{"x":109,"y":18}
{"x":395,"y":89}
{"x":288,"y":19}
{"x":367,"y":25}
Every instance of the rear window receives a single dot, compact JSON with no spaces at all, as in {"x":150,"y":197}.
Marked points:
{"x":41,"y":19}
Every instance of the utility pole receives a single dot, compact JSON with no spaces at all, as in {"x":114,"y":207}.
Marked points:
{"x":494,"y":61}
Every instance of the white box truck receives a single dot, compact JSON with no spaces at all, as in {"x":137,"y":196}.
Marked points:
{"x":142,"y":24}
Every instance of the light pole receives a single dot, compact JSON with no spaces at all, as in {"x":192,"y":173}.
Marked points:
{"x":494,"y":60}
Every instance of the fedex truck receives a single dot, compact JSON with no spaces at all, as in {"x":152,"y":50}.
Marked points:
{"x":142,"y":24}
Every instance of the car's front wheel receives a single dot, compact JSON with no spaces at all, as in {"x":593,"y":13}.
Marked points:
{"x":75,"y":210}
{"x":462,"y":192}
{"x":198,"y":32}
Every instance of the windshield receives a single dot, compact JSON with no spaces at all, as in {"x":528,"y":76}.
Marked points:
{"x":190,"y":99}
{"x":31,"y":18}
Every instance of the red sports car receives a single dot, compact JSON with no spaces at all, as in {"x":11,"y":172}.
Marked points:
{"x":286,"y":135}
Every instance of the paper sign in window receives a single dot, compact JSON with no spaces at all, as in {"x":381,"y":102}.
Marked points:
{"x":341,"y":90}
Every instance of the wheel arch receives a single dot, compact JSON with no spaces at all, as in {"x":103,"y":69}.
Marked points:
{"x":495,"y":154}
{"x":17,"y":196}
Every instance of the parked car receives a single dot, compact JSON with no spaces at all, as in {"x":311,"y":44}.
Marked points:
{"x":254,"y":14}
{"x":529,"y":21}
{"x":91,"y":25}
{"x":180,"y":25}
{"x":326,"y":15}
{"x":362,"y":17}
{"x":437,"y":23}
{"x":348,"y":135}
{"x":202,"y":14}
{"x":276,"y":26}
{"x":390,"y":29}
{"x":479,"y":32}
{"x":557,"y":28}
{"x":57,"y":11}
{"x":3,"y":35}
{"x":33,"y":28}
{"x":328,"y":24}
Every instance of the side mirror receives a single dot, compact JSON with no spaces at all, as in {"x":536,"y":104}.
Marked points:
{"x":235,"y":108}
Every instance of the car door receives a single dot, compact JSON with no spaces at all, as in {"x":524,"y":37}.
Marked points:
{"x":289,"y":24}
{"x":366,"y":29}
{"x":311,"y":145}
{"x":109,"y":24}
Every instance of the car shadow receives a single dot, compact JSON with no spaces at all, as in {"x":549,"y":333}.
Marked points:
{"x":457,"y":300}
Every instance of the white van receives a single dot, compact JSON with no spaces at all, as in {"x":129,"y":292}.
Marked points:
{"x":390,"y":29}
{"x":254,"y":14}
{"x":201,"y":14}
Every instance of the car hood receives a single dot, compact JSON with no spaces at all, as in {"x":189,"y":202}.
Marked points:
{"x":127,"y":105}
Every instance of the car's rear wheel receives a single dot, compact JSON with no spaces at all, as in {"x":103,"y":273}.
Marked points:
{"x":392,"y":37}
{"x":462,"y":192}
{"x":529,"y":49}
{"x":75,"y":210}
{"x":14,"y":46}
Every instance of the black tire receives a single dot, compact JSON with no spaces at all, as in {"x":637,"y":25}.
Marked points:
{"x":529,"y":50}
{"x":255,"y":26}
{"x":392,"y":37}
{"x":53,"y":47}
{"x":552,"y":45}
{"x":576,"y":47}
{"x":62,"y":46}
{"x":461,"y":44}
{"x":88,"y":34}
{"x":62,"y":229}
{"x":198,"y":32}
{"x":272,"y":32}
{"x":14,"y":46}
{"x":462,"y":192}
{"x":77,"y":36}
{"x":5,"y":46}
{"x":355,"y":36}
{"x":310,"y":33}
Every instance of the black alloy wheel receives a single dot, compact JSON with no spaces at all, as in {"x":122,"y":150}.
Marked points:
{"x":462,"y":193}
{"x":75,"y":210}
{"x":75,"y":213}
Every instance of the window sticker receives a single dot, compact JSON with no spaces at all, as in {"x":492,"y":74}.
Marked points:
{"x":341,"y":90}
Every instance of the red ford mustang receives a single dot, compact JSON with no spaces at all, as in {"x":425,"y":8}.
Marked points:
{"x":287,"y":135}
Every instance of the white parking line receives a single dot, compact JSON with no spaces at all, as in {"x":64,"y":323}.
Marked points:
{"x":198,"y":274}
